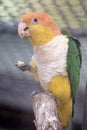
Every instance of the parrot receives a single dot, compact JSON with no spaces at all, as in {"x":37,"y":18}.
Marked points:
{"x":56,"y":60}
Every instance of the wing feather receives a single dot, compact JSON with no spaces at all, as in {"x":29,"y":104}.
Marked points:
{"x":74,"y":61}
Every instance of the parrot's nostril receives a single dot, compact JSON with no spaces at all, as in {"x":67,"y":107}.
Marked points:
{"x":26,"y":28}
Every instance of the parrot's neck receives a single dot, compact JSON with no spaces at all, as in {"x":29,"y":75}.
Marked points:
{"x":42,"y":35}
{"x":50,"y":59}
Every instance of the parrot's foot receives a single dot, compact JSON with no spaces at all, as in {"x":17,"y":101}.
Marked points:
{"x":24,"y":67}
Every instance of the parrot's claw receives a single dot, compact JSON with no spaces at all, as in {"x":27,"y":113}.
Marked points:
{"x":24,"y":67}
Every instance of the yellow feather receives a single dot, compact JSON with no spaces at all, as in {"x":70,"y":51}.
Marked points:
{"x":37,"y":32}
{"x":60,"y":87}
{"x":34,"y":70}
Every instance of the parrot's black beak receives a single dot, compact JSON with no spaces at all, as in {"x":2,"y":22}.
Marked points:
{"x":23,"y":30}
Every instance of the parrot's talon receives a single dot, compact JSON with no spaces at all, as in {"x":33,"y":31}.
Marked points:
{"x":24,"y":67}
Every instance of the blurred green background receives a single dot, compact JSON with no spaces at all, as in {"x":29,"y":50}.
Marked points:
{"x":67,"y":13}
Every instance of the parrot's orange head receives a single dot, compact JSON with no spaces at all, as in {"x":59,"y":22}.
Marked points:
{"x":40,"y":28}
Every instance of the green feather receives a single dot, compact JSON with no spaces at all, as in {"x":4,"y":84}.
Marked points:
{"x":73,"y":62}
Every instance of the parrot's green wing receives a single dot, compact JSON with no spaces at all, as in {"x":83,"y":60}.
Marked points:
{"x":73,"y":62}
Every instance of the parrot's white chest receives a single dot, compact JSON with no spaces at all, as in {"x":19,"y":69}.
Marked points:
{"x":50,"y":59}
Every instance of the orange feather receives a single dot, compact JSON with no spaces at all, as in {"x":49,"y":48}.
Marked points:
{"x":44,"y":18}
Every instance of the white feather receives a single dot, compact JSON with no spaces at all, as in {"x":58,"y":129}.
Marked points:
{"x":50,"y":59}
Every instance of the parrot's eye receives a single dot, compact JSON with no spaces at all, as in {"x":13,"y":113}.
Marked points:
{"x":34,"y":20}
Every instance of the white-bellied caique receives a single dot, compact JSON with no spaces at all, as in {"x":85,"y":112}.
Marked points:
{"x":56,"y":61}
